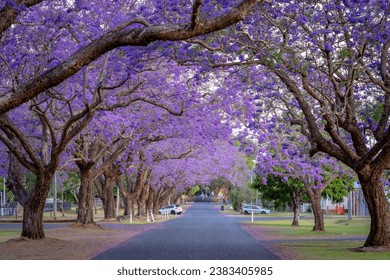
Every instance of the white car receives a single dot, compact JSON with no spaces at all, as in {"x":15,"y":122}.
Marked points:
{"x":171,"y":209}
{"x":249,"y":209}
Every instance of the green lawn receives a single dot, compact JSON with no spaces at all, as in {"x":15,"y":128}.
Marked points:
{"x":303,"y":243}
{"x":8,"y":234}
{"x":333,"y":226}
{"x":331,"y":250}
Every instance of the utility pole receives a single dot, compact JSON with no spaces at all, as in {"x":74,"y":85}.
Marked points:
{"x":350,"y":205}
{"x":3,"y":196}
{"x":55,"y":196}
{"x":117,"y":202}
{"x":2,"y":201}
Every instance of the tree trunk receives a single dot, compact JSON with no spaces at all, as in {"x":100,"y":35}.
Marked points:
{"x":150,"y":201}
{"x":131,"y":211}
{"x":33,"y":222}
{"x":16,"y":179}
{"x":32,"y":226}
{"x":108,"y":198}
{"x":378,"y":207}
{"x":162,"y":198}
{"x":85,"y":198}
{"x":315,"y":200}
{"x":156,"y":207}
{"x":157,"y":201}
{"x":127,"y":203}
{"x":141,"y":208}
{"x":177,"y":198}
{"x":295,"y":202}
{"x":317,"y":211}
{"x":142,"y":200}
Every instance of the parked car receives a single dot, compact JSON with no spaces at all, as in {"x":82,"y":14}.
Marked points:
{"x":171,"y":209}
{"x":248,"y":209}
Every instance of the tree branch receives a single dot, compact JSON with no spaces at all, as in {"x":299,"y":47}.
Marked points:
{"x":8,"y":134}
{"x":195,"y":14}
{"x":8,"y":13}
{"x":136,"y":36}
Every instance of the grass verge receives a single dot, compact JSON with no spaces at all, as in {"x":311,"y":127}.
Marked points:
{"x":338,"y":242}
{"x":329,"y":250}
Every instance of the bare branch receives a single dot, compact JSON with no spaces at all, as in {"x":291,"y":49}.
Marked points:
{"x":8,"y":128}
{"x":203,"y":44}
{"x":10,"y":71}
{"x":162,"y":106}
{"x":45,"y":120}
{"x":131,"y":22}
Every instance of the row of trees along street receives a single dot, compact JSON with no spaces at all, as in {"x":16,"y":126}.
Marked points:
{"x":150,"y":98}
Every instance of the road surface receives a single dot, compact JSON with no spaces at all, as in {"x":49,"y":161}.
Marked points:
{"x":201,"y":233}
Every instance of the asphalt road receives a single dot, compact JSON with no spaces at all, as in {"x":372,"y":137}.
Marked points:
{"x":201,"y":233}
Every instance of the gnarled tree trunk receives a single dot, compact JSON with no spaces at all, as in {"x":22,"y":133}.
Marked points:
{"x":32,"y":226}
{"x":315,"y":200}
{"x":86,"y":197}
{"x":105,"y":186}
{"x":378,"y":207}
{"x":33,"y":202}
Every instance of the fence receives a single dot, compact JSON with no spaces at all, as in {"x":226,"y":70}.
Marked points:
{"x":49,"y":207}
{"x":7,"y":210}
{"x":11,"y":209}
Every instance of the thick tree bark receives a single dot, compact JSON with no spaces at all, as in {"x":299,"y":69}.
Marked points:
{"x":151,"y":199}
{"x":158,"y":204}
{"x":142,"y":202}
{"x":143,"y":186}
{"x":8,"y":13}
{"x":127,"y":193}
{"x":315,"y":200}
{"x":295,"y":203}
{"x":33,"y":221}
{"x":158,"y":200}
{"x":105,"y":185}
{"x":16,"y":179}
{"x":141,"y":208}
{"x":85,"y":197}
{"x":33,"y":202}
{"x":32,"y":226}
{"x":133,"y":191}
{"x":150,"y":202}
{"x":126,"y":206}
{"x":378,"y":207}
{"x":129,"y":207}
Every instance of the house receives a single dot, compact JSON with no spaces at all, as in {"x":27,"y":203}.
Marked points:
{"x":354,"y":201}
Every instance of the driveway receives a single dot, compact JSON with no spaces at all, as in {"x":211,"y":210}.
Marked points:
{"x":201,"y":233}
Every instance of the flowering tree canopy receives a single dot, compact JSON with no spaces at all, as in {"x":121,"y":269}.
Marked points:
{"x":135,"y":73}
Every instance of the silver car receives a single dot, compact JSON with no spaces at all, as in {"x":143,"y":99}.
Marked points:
{"x":249,"y":209}
{"x":171,"y":209}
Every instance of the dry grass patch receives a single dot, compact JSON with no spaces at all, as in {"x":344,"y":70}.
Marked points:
{"x":68,"y":243}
